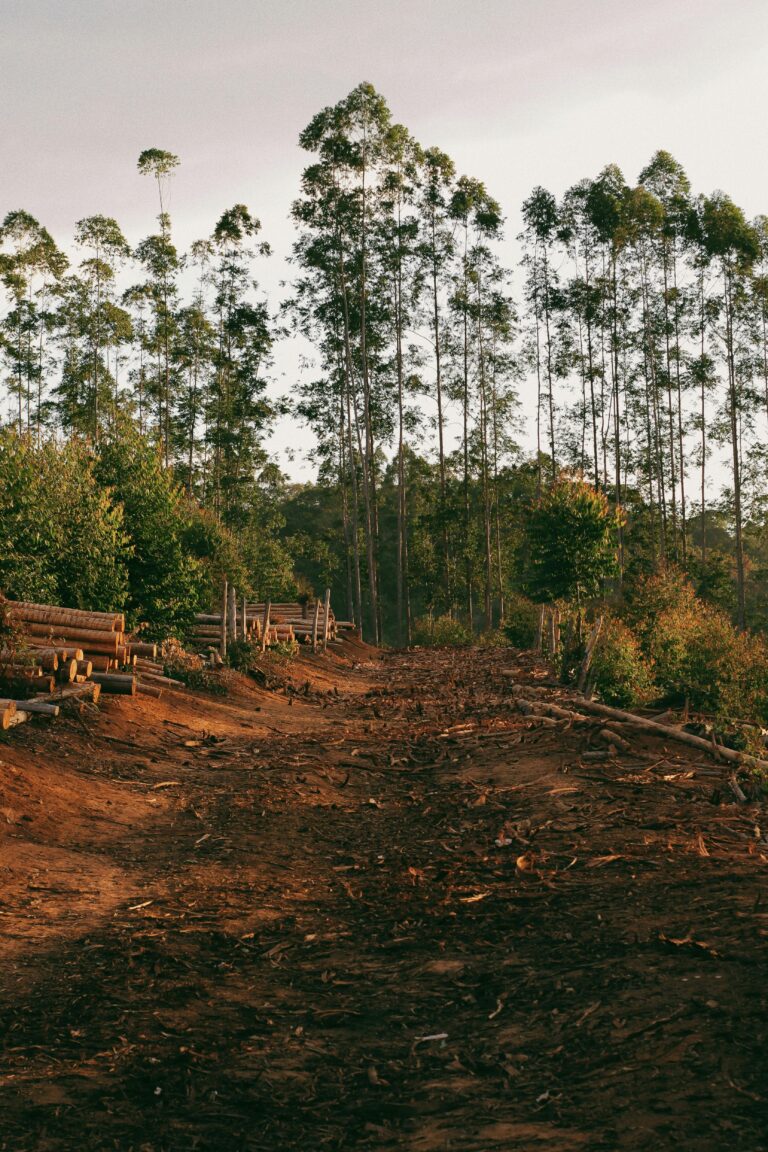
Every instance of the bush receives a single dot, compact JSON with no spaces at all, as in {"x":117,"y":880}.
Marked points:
{"x":190,"y":669}
{"x":620,"y":671}
{"x":724,"y":672}
{"x":242,"y":655}
{"x":521,"y":621}
{"x":441,"y":630}
{"x":494,"y":638}
{"x":218,"y":553}
{"x":696,"y":652}
{"x":63,"y":539}
{"x":166,"y":583}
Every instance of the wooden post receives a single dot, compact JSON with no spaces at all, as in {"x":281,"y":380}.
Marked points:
{"x":232,"y":608}
{"x":244,"y":621}
{"x":540,"y":630}
{"x":265,"y":625}
{"x":314,"y":625}
{"x":326,"y":621}
{"x":224,"y":603}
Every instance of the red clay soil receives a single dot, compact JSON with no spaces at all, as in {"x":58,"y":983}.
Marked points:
{"x":376,"y":908}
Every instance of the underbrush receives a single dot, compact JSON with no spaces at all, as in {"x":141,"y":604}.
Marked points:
{"x":670,"y":644}
{"x":191,"y":670}
{"x":521,"y":620}
{"x":441,"y":631}
{"x":620,"y":672}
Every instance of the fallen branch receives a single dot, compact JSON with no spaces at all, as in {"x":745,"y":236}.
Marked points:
{"x":669,"y":733}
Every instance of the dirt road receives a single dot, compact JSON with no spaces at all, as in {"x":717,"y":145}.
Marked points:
{"x":385,"y":911}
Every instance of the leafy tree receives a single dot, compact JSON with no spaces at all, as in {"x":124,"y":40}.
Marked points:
{"x":572,"y":540}
{"x":165,"y":582}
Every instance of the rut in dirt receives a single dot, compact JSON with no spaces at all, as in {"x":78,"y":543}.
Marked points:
{"x":426,"y":923}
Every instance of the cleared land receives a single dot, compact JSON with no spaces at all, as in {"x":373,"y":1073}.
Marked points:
{"x":376,"y":907}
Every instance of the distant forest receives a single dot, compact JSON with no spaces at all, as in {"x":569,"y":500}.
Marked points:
{"x":639,"y":316}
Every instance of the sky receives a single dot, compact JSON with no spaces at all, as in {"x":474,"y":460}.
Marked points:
{"x":518,"y":92}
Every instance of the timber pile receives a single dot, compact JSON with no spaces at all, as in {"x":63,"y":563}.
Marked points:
{"x":266,"y":623}
{"x":65,"y":653}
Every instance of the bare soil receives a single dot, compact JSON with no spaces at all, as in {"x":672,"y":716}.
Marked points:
{"x":375,"y":907}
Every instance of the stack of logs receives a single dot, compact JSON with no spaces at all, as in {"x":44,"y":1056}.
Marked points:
{"x":64,"y":652}
{"x":265,"y":624}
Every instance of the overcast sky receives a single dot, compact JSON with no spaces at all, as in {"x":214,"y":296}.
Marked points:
{"x":518,"y":92}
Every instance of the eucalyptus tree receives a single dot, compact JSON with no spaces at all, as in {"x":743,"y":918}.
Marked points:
{"x":30,"y":267}
{"x":540,"y":217}
{"x":338,"y":212}
{"x":643,"y":220}
{"x":583,"y":299}
{"x":194,"y":353}
{"x":91,"y":325}
{"x":438,"y":176}
{"x":478,"y":219}
{"x":734,"y":246}
{"x":238,"y":411}
{"x":606,"y":203}
{"x":319,"y":310}
{"x":400,"y":257}
{"x":667,"y":180}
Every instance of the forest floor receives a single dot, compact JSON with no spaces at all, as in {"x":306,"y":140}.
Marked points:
{"x":375,"y":908}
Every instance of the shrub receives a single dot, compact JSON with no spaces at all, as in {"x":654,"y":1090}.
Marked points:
{"x":521,"y":620}
{"x":190,"y":669}
{"x":494,"y":638}
{"x":63,"y":538}
{"x":620,"y":671}
{"x":165,"y":582}
{"x":242,"y":655}
{"x":696,"y":652}
{"x":218,"y":553}
{"x":441,"y":630}
{"x":724,"y":672}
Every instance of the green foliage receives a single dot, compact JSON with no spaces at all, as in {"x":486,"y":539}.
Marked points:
{"x":521,"y":617}
{"x":287,"y":649}
{"x":191,"y":670}
{"x":441,"y":631}
{"x":63,"y":539}
{"x":166,"y":583}
{"x":242,"y":655}
{"x":620,"y":671}
{"x":696,"y":652}
{"x":219,"y":554}
{"x":571,"y":533}
{"x":493,"y":638}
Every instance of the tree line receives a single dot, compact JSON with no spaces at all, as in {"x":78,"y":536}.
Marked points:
{"x":641,"y":322}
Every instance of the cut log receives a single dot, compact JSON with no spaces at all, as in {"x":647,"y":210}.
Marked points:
{"x":45,"y":658}
{"x":37,"y":707}
{"x":105,"y":640}
{"x":141,"y":649}
{"x":67,"y":671}
{"x":88,"y":691}
{"x":153,"y":690}
{"x":168,"y":681}
{"x":49,"y":614}
{"x":99,"y":662}
{"x":115,"y":684}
